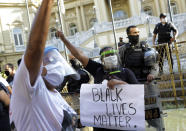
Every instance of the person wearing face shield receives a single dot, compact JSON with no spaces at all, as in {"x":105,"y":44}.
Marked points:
{"x":35,"y":104}
{"x":142,"y":60}
{"x":167,"y":33}
{"x":108,"y":69}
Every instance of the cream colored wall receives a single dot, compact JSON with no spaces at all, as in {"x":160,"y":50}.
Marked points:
{"x":107,"y":38}
{"x":79,"y":12}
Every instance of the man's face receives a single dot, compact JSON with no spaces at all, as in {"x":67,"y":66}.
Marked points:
{"x":134,"y":31}
{"x":121,"y":39}
{"x":110,"y":60}
{"x":163,"y":19}
{"x":8,"y":70}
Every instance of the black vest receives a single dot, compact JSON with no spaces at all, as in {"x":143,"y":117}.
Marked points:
{"x":164,"y":33}
{"x":134,"y":60}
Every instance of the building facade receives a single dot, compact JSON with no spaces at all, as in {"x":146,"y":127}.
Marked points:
{"x":87,"y":23}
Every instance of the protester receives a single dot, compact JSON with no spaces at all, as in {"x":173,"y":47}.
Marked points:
{"x":142,"y":60}
{"x":10,"y":72}
{"x":35,"y":103}
{"x":109,"y":69}
{"x":5,"y":83}
{"x":163,"y":30}
{"x":4,"y":108}
{"x":120,"y":43}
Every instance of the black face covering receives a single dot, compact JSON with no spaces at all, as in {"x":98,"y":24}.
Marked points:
{"x":133,"y":39}
{"x":7,"y":73}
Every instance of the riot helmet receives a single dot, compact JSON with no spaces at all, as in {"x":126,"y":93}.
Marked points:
{"x":150,"y":57}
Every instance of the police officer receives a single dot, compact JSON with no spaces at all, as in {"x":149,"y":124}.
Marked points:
{"x":108,"y":69}
{"x":142,"y":60}
{"x":163,"y":30}
{"x":120,"y":43}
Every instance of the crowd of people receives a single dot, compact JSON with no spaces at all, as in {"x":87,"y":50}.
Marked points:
{"x":30,"y":98}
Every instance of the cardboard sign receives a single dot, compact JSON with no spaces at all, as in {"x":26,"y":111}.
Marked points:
{"x":121,"y":108}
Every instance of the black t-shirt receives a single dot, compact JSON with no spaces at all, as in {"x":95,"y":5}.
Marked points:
{"x":97,"y":71}
{"x":74,"y":85}
{"x":164,"y":32}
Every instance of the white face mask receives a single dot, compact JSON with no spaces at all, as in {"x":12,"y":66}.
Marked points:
{"x":110,"y":62}
{"x":55,"y":73}
{"x":164,"y":20}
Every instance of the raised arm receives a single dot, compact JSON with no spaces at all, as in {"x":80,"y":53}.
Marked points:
{"x":75,"y":52}
{"x":37,"y":39}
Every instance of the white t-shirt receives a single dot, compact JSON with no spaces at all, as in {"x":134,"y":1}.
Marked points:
{"x":35,"y":108}
{"x":3,"y":81}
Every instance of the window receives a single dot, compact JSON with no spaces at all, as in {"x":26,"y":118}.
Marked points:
{"x":18,"y":37}
{"x":92,"y":22}
{"x":73,"y":29}
{"x":174,"y":8}
{"x":52,"y":33}
{"x":148,"y":11}
{"x":120,"y":14}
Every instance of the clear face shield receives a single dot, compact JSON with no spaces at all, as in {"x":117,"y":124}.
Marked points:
{"x":57,"y":67}
{"x":110,"y":59}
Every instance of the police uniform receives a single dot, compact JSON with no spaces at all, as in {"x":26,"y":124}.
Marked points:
{"x":164,"y":36}
{"x":97,"y":71}
{"x":134,"y":57}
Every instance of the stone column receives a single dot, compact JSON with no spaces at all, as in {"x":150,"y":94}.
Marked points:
{"x":183,"y":5}
{"x":157,"y":5}
{"x":83,"y":18}
{"x":78,"y":19}
{"x":135,"y":7}
{"x":163,"y":6}
{"x":101,"y":11}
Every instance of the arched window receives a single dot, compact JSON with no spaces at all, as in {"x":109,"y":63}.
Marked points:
{"x":148,"y":11}
{"x":120,"y":14}
{"x":52,"y":33}
{"x":73,"y":29}
{"x":92,"y":22}
{"x":174,"y":8}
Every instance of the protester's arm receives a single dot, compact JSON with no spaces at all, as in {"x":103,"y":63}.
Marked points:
{"x":75,"y":52}
{"x":37,"y":39}
{"x":113,"y":82}
{"x":4,"y":98}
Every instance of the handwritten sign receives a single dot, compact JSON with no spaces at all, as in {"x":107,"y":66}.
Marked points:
{"x":121,"y":108}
